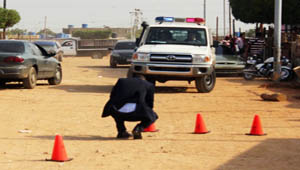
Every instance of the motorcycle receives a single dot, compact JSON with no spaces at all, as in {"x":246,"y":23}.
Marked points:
{"x":256,"y":68}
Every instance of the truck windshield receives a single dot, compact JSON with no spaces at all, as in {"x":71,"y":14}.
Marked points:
{"x":125,"y":45}
{"x":171,"y":35}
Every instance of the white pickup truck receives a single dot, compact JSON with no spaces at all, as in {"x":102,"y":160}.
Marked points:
{"x":96,"y":48}
{"x":176,"y":49}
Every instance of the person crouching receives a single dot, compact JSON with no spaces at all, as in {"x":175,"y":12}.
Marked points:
{"x":131,"y":99}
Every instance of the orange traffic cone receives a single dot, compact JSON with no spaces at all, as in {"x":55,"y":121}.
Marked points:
{"x":200,"y":125}
{"x":256,"y":127}
{"x":59,"y":153}
{"x":151,"y":128}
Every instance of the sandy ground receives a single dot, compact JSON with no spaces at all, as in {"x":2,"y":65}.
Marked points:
{"x":73,"y":109}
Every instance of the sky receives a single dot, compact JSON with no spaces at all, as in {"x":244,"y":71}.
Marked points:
{"x":59,"y":14}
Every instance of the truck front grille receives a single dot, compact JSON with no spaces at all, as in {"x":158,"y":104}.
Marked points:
{"x":174,"y":69}
{"x":171,"y":58}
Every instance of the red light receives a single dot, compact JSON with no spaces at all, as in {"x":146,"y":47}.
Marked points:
{"x":14,"y":59}
{"x":195,"y":20}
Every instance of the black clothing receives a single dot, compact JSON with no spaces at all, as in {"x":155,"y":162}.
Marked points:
{"x":131,"y":90}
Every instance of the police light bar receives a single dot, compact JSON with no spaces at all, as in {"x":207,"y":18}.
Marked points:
{"x":162,"y":19}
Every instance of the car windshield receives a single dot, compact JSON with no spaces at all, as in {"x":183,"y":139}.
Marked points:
{"x":171,"y":35}
{"x":125,"y":45}
{"x":11,"y":47}
{"x":224,"y":50}
{"x":46,"y":45}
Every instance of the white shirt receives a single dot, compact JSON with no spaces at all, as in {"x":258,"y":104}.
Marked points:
{"x":127,"y":108}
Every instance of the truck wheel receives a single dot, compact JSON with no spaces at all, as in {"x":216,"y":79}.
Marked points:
{"x":60,"y":57}
{"x":112,"y":63}
{"x":57,"y":77}
{"x":248,"y":76}
{"x":206,"y":83}
{"x":30,"y":81}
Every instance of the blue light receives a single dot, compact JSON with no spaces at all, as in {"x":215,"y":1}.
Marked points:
{"x":168,"y":19}
{"x":164,"y":19}
{"x":159,"y":19}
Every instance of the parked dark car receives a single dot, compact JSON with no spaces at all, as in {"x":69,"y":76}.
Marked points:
{"x":52,"y":45}
{"x":122,"y":53}
{"x":227,"y":62}
{"x":27,"y":62}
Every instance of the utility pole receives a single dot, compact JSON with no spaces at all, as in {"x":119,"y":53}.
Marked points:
{"x":277,"y":39}
{"x":137,"y":13}
{"x":224,"y":18}
{"x":45,"y":28}
{"x":229,"y":10}
{"x":204,"y":7}
{"x":4,"y":4}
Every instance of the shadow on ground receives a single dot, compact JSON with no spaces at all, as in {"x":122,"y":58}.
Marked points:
{"x":108,"y":88}
{"x":287,"y":88}
{"x":84,"y":88}
{"x":273,"y":154}
{"x":79,"y":137}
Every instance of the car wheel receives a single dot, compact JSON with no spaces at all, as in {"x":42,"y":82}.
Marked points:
{"x":112,"y":62}
{"x":30,"y":81}
{"x":206,"y":83}
{"x":2,"y":83}
{"x":57,"y":77}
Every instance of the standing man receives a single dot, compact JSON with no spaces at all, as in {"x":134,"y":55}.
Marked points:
{"x":131,"y":99}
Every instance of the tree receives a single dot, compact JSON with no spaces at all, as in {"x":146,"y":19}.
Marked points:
{"x":47,"y":32}
{"x":17,"y":31}
{"x":92,"y":34}
{"x":262,"y":11}
{"x":8,"y":18}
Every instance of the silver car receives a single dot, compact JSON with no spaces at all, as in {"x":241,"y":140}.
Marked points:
{"x":27,"y":62}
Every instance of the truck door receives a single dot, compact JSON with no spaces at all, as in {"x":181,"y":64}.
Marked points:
{"x":69,"y":47}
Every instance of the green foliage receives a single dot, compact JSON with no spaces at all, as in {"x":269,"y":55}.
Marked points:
{"x":262,"y":11}
{"x":250,"y":33}
{"x":17,"y":31}
{"x":8,"y":18}
{"x":48,"y":31}
{"x":92,"y":34}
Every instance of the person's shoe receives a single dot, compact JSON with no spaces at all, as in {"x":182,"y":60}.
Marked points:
{"x":137,"y":133}
{"x":123,"y":135}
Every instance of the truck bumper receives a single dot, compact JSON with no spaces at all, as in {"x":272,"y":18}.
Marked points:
{"x":172,"y":69}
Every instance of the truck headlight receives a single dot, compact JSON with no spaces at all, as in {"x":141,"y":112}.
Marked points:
{"x":199,"y":58}
{"x":115,"y":54}
{"x":141,"y":57}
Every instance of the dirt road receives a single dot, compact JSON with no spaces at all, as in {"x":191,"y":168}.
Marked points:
{"x":73,"y":109}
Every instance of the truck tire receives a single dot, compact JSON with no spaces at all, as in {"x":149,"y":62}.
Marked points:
{"x":30,"y":81}
{"x":112,"y":63}
{"x":57,"y":77}
{"x":2,"y":83}
{"x":206,"y":83}
{"x":248,"y":76}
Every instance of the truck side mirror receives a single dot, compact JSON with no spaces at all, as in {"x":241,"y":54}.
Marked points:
{"x":137,"y":42}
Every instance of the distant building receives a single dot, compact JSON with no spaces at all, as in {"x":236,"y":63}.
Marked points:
{"x":118,"y":32}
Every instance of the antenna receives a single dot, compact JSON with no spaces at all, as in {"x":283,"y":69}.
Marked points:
{"x":137,"y":17}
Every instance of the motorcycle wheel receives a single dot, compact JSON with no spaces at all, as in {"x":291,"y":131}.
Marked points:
{"x":248,"y":76}
{"x":285,"y":74}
